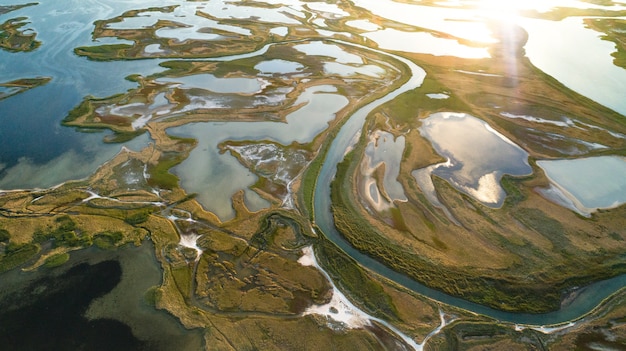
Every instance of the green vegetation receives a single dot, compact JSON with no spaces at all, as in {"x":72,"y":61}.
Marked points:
{"x":13,"y":39}
{"x":245,"y":66}
{"x":21,"y":85}
{"x":176,"y":67}
{"x":16,"y":254}
{"x":247,"y":281}
{"x":84,"y":108}
{"x":513,"y":194}
{"x":497,"y":292}
{"x":265,"y":238}
{"x":122,"y":137}
{"x":57,"y":260}
{"x":542,"y":223}
{"x":107,"y":240}
{"x":183,"y":278}
{"x":103,"y":52}
{"x":407,"y":106}
{"x":138,"y":217}
{"x":65,"y":234}
{"x":349,"y":276}
{"x":160,"y":175}
{"x":464,"y":335}
{"x":152,"y":296}
{"x":309,"y":182}
{"x":4,"y":235}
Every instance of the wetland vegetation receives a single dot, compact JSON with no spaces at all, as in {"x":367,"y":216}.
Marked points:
{"x":15,"y":38}
{"x":201,"y":237}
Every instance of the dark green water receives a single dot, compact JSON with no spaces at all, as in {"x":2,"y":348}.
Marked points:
{"x":62,"y":308}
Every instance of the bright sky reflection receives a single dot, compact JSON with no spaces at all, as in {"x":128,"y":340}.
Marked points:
{"x":477,"y":155}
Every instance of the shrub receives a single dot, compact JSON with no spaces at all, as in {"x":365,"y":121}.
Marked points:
{"x":4,"y":235}
{"x":57,"y":260}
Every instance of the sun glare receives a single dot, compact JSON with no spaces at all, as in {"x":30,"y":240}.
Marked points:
{"x":500,"y":9}
{"x":511,"y":8}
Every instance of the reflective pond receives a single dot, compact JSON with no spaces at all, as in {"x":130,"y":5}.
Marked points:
{"x":587,"y":184}
{"x":477,"y":156}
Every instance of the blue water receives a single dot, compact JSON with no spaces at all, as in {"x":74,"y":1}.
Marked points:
{"x":30,"y":122}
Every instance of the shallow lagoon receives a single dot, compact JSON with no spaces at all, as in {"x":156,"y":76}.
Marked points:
{"x":218,"y":85}
{"x":555,"y":47}
{"x":74,"y":77}
{"x":216,"y":177}
{"x":461,"y":23}
{"x":386,"y":149}
{"x":587,"y":184}
{"x":36,"y":151}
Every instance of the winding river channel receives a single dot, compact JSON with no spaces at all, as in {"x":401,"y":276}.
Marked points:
{"x":585,"y":300}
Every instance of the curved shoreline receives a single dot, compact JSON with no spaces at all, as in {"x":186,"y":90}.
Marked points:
{"x":586,"y":302}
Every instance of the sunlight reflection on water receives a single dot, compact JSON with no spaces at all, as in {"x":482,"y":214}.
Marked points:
{"x":477,"y":156}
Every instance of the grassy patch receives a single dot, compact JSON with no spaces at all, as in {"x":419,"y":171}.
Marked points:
{"x":182,"y":277}
{"x":513,"y":194}
{"x":84,"y":108}
{"x":103,"y":52}
{"x":160,"y":175}
{"x":406,"y":107}
{"x":309,"y":182}
{"x":349,"y":276}
{"x":465,"y":335}
{"x":65,"y":234}
{"x":4,"y":235}
{"x":122,"y":137}
{"x":138,"y":217}
{"x":16,"y":254}
{"x":57,"y":260}
{"x":107,"y":240}
{"x":151,"y":296}
{"x":15,"y":39}
{"x":547,"y":226}
{"x":270,"y":227}
{"x":495,"y":291}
